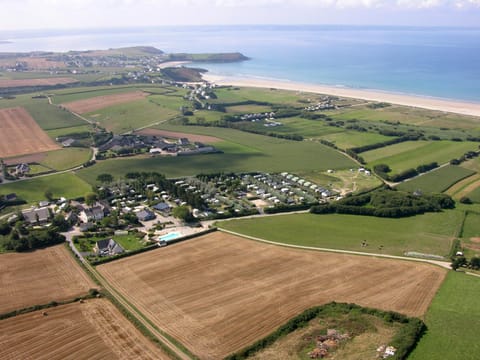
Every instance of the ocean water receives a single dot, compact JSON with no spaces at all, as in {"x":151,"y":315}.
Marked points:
{"x":435,"y":62}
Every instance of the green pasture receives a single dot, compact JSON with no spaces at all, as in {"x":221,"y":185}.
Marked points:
{"x":38,"y":169}
{"x":452,"y":321}
{"x":410,"y":155}
{"x":126,"y":117}
{"x":436,"y":181}
{"x":429,"y":233}
{"x":66,"y":158}
{"x":33,"y":190}
{"x":392,"y":150}
{"x":471,"y":226}
{"x":304,"y":127}
{"x":241,"y":152}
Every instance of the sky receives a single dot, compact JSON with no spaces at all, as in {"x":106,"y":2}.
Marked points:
{"x":65,"y":14}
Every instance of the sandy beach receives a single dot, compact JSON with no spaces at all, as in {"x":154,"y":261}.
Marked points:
{"x":452,"y":106}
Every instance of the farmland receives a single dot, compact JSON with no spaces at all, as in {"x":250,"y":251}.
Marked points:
{"x":66,"y":158}
{"x":100,"y":102}
{"x":451,"y":320}
{"x":67,"y":185}
{"x":437,"y":180}
{"x":94,"y":329}
{"x":21,"y":134}
{"x":39,"y":277}
{"x":429,"y":233}
{"x":408,"y":155}
{"x":189,"y":289}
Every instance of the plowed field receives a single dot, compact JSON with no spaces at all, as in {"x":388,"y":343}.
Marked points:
{"x":39,"y":277}
{"x":91,"y":330}
{"x":20,"y":134}
{"x":219,"y":293}
{"x":5,"y":83}
{"x":100,"y":102}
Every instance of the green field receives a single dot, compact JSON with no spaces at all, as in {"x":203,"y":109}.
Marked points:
{"x":68,"y":95}
{"x":409,"y":155}
{"x":66,"y":158}
{"x":248,"y":109}
{"x":436,"y":181}
{"x":429,"y":233}
{"x":452,"y":321}
{"x":471,"y":227}
{"x":242,"y":152}
{"x":132,"y":115}
{"x":67,"y":185}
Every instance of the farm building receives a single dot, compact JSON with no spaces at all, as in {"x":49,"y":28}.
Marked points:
{"x":107,"y":247}
{"x":22,"y":169}
{"x":163,"y":207}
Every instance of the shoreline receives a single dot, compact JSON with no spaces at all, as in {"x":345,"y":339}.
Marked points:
{"x":449,"y":106}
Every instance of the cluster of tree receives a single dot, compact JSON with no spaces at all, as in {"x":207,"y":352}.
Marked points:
{"x":405,"y":340}
{"x":467,"y":156}
{"x":383,"y":171}
{"x":379,"y":105}
{"x":461,"y":261}
{"x":20,"y":238}
{"x":355,"y":156}
{"x":101,"y":137}
{"x":387,"y":203}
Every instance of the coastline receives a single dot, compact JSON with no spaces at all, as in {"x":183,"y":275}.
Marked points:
{"x":450,"y":106}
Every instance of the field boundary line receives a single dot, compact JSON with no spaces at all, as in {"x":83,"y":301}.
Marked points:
{"x":443,"y":264}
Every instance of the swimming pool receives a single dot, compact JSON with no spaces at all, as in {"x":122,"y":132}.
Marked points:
{"x":170,"y":236}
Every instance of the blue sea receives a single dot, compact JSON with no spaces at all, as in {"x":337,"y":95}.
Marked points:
{"x":433,"y":62}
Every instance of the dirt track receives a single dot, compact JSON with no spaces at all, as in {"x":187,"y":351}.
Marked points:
{"x":100,"y":102}
{"x":39,"y":277}
{"x":177,"y":135}
{"x":20,"y":134}
{"x":94,"y":329}
{"x":219,"y":293}
{"x":5,"y":83}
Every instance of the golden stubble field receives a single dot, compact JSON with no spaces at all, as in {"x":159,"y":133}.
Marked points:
{"x":38,"y":277}
{"x":94,"y":329}
{"x":101,"y":102}
{"x":218,"y":293}
{"x":20,"y":134}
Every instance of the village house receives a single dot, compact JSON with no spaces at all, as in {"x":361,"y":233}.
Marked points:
{"x":22,"y":169}
{"x":107,"y":247}
{"x":92,"y":214}
{"x":145,"y":215}
{"x":36,"y":216}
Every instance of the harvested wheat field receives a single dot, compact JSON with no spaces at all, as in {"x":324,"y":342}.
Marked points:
{"x":94,"y":329}
{"x":6,"y":83}
{"x":20,"y":134}
{"x":218,"y":293}
{"x":39,"y":277}
{"x":178,"y":135}
{"x":100,"y":102}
